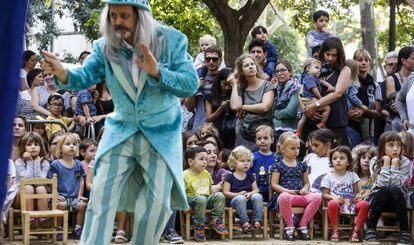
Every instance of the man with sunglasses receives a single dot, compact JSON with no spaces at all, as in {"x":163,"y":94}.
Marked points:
{"x":207,"y":74}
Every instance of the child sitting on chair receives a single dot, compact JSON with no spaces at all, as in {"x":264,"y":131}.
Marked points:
{"x":200,"y":196}
{"x":70,"y":176}
{"x":241,"y":188}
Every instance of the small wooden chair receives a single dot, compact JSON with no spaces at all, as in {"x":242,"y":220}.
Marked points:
{"x":53,"y":213}
{"x":186,"y":226}
{"x":11,"y":225}
{"x":275,"y":215}
{"x":231,"y":212}
{"x":341,"y":227}
{"x":397,"y":226}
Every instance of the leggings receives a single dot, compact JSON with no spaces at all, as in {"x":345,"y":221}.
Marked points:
{"x":362,"y":207}
{"x":388,"y":199}
{"x":311,"y":202}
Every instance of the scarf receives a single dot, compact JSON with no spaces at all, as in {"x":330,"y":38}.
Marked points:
{"x":326,"y":70}
{"x":285,"y":92}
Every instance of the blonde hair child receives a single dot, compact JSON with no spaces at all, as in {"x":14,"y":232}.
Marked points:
{"x":240,"y":188}
{"x":290,"y":183}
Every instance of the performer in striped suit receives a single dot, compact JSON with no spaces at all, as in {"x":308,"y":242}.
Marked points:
{"x":139,"y":161}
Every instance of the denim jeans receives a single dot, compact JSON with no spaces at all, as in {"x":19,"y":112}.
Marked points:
{"x":241,"y":205}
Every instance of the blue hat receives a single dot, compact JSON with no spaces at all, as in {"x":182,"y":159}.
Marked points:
{"x":143,"y":4}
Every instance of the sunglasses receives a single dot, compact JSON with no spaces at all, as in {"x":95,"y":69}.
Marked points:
{"x":214,"y":59}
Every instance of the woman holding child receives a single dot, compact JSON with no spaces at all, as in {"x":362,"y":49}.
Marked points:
{"x":252,"y":99}
{"x":337,"y":74}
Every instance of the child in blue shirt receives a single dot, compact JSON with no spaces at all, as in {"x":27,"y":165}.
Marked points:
{"x":260,"y":33}
{"x":263,"y":159}
{"x":240,"y":189}
{"x":85,"y":105}
{"x":70,"y":177}
{"x":315,"y":38}
{"x":311,"y":92}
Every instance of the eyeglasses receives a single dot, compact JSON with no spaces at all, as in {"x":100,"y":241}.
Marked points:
{"x":214,"y":59}
{"x":391,"y":64}
{"x":281,"y":70}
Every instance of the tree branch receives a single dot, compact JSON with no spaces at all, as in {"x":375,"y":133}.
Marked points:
{"x":411,"y":3}
{"x":245,"y":8}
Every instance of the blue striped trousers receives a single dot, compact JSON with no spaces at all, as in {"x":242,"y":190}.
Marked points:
{"x":132,"y":175}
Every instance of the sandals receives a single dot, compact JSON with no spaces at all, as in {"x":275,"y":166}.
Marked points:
{"x":120,"y":237}
{"x":246,"y":227}
{"x":355,"y":237}
{"x":257,"y":225}
{"x":335,"y":236}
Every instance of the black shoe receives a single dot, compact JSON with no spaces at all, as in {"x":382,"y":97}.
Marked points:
{"x":405,"y":238}
{"x":289,"y":234}
{"x":304,"y":233}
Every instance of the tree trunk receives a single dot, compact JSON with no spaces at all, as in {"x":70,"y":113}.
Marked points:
{"x":368,"y":31}
{"x":235,"y":24}
{"x":391,"y":40}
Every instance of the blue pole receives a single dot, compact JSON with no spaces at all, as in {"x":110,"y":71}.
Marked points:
{"x":12,"y":20}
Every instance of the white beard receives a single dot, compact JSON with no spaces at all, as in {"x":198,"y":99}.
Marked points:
{"x":123,"y":34}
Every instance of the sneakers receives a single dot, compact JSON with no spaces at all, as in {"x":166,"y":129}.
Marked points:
{"x":199,"y":235}
{"x":289,"y":234}
{"x":77,"y":233}
{"x":120,"y":237}
{"x":304,"y":233}
{"x":218,"y":227}
{"x":172,"y":237}
{"x":405,"y":238}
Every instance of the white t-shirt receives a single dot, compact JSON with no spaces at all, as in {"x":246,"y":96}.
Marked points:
{"x":11,"y":172}
{"x":317,"y":168}
{"x":23,"y":75}
{"x":340,"y":184}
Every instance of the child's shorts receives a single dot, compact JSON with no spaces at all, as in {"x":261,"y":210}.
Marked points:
{"x":308,"y":101}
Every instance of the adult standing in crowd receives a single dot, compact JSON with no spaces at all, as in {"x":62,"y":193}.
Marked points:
{"x":405,"y":67}
{"x":252,"y":98}
{"x":218,"y":109}
{"x":147,"y":68}
{"x":287,"y":100}
{"x":405,"y":104}
{"x":74,"y":93}
{"x":390,"y":67}
{"x":370,"y":95}
{"x":29,"y":61}
{"x":27,"y":106}
{"x":338,"y":75}
{"x":207,"y":74}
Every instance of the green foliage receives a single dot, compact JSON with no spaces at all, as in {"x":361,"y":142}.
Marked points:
{"x":40,"y":13}
{"x":86,"y":14}
{"x":67,"y":57}
{"x":191,"y":17}
{"x":302,"y":11}
{"x":285,"y":39}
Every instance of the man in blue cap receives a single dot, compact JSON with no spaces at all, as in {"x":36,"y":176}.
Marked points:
{"x":138,"y":166}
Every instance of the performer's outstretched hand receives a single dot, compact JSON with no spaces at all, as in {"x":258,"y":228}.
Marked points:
{"x":53,"y":65}
{"x":148,"y":63}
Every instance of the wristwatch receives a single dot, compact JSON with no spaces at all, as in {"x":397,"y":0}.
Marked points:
{"x":317,"y":104}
